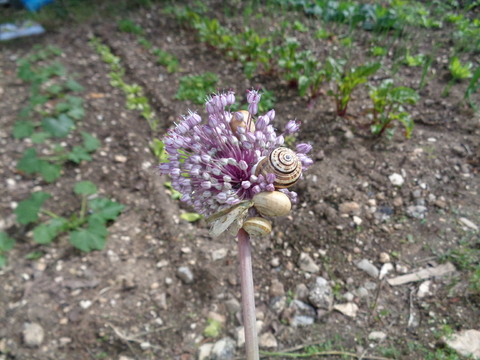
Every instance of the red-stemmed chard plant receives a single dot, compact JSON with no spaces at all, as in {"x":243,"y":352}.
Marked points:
{"x":218,"y":169}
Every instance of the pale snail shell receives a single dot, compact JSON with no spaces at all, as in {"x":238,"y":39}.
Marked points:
{"x":282,"y":162}
{"x":272,"y":203}
{"x":257,"y":226}
{"x":247,"y":119}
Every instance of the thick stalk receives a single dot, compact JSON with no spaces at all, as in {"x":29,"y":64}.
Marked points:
{"x":248,"y":296}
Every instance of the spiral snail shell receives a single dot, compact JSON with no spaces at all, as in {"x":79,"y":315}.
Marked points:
{"x":242,"y":121}
{"x":282,"y":162}
{"x":272,"y":203}
{"x":257,"y":226}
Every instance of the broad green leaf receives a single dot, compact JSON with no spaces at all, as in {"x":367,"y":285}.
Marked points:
{"x":303,"y":83}
{"x":90,"y":143}
{"x":54,"y":89}
{"x":22,"y":129}
{"x":38,"y":100}
{"x":78,"y":154}
{"x":25,"y":72}
{"x":91,"y":238}
{"x":105,"y":209}
{"x":3,"y":260}
{"x":27,"y":210}
{"x":404,"y":95}
{"x":191,"y":217}
{"x":76,"y":112}
{"x":175,"y":194}
{"x":50,"y":172}
{"x":46,"y":233}
{"x":85,"y":188}
{"x":40,"y":137}
{"x":29,"y":162}
{"x":72,"y":85}
{"x":6,"y":242}
{"x":366,"y":70}
{"x":59,"y":127}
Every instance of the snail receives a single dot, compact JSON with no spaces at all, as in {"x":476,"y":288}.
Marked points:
{"x":257,"y":226}
{"x":242,"y":121}
{"x":282,"y":162}
{"x":272,"y":203}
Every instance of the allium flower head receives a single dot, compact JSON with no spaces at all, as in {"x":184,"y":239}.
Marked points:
{"x":213,"y":167}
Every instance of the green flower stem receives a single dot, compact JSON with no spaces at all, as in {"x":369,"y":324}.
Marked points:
{"x":248,"y":295}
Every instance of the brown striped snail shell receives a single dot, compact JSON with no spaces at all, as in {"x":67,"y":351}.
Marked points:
{"x":235,"y":123}
{"x":282,"y":162}
{"x":257,"y":226}
{"x":272,"y":203}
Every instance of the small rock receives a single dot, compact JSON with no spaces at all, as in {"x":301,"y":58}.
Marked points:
{"x":401,"y":269}
{"x":416,"y":211}
{"x":306,"y":263}
{"x":276,"y":289}
{"x":321,"y":294}
{"x":357,"y":250}
{"x":33,"y":334}
{"x":145,"y":345}
{"x":85,"y":304}
{"x":383,"y":257}
{"x":217,"y":317}
{"x":120,"y":158}
{"x":223,"y":349}
{"x":466,"y":343}
{"x":348,"y":296}
{"x":233,"y":305}
{"x":468,"y":223}
{"x":424,"y":289}
{"x":302,"y":320}
{"x":386,"y":268}
{"x":349,"y":309}
{"x":377,"y":336}
{"x":350,"y":208}
{"x":301,"y":291}
{"x":278,"y":303}
{"x":63,"y":341}
{"x":267,"y":341}
{"x":123,"y":357}
{"x":416,"y":193}
{"x":396,"y":179}
{"x":162,"y":263}
{"x":184,"y":273}
{"x":275,"y":262}
{"x":204,"y":351}
{"x":398,"y":201}
{"x":362,"y":292}
{"x":370,"y":285}
{"x":368,"y":267}
{"x":357,"y":220}
{"x":442,"y":204}
{"x":300,"y":308}
{"x":219,"y":254}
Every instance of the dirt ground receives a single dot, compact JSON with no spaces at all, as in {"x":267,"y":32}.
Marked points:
{"x":140,"y":309}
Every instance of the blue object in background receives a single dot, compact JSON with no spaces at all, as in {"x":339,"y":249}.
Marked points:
{"x":34,"y":5}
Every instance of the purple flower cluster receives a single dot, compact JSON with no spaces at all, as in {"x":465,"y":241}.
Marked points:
{"x":212,"y":167}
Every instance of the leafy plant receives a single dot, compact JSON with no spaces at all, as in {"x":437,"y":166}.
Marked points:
{"x":417,"y":60}
{"x":135,"y":100}
{"x":50,"y":167}
{"x":158,"y":149}
{"x":6,"y":244}
{"x":196,"y":88}
{"x":127,"y":25}
{"x":168,"y":60}
{"x":458,"y":72}
{"x":472,"y":87}
{"x":347,"y":80}
{"x":87,"y":229}
{"x":387,"y":107}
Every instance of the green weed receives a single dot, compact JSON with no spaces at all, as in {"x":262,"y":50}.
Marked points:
{"x":87,"y":229}
{"x":196,"y":88}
